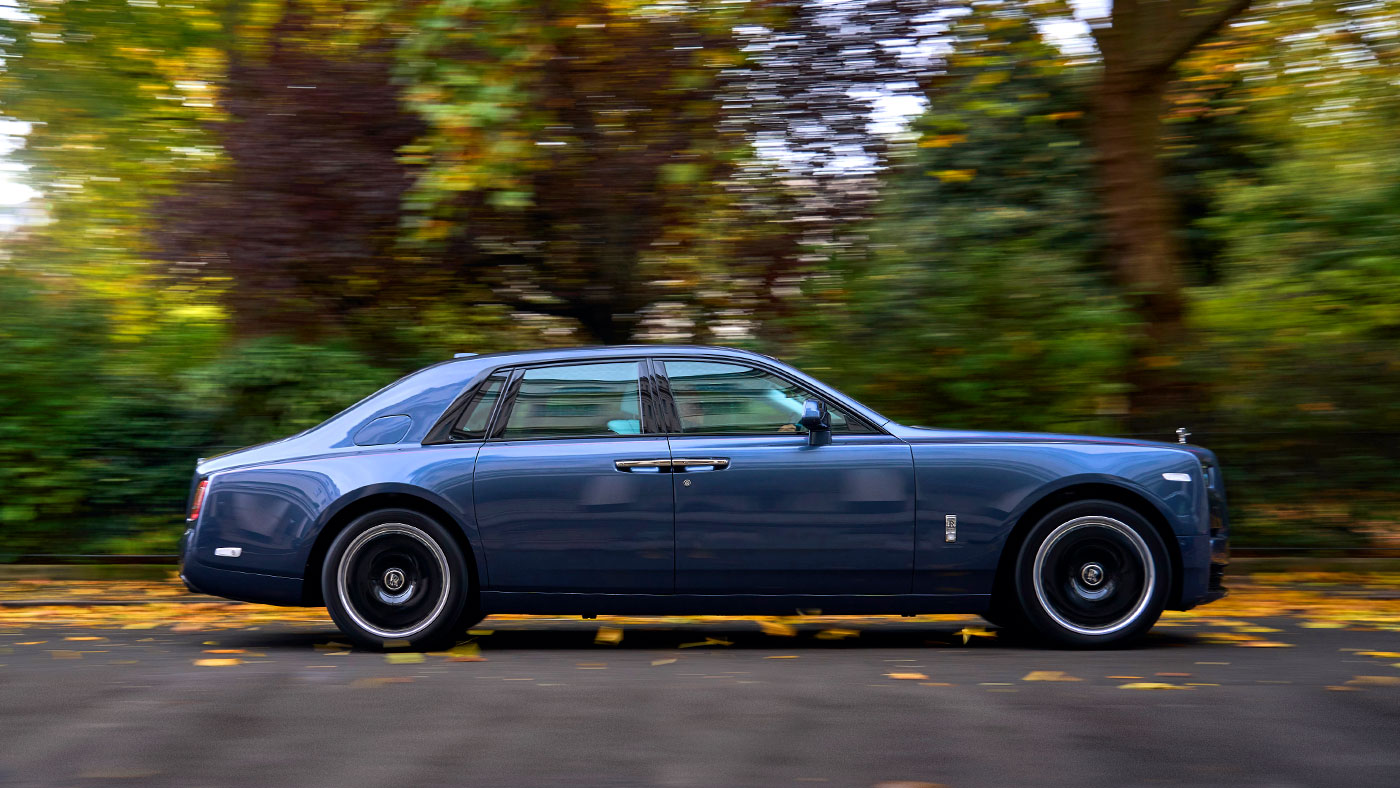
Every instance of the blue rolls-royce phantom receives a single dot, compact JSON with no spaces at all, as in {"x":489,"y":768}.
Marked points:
{"x":673,"y":480}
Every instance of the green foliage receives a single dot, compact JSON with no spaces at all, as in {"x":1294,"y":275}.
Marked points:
{"x":975,"y":304}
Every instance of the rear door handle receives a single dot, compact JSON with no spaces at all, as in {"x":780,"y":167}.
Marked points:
{"x":686,"y":463}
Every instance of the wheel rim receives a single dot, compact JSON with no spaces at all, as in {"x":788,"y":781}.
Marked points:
{"x":393,"y":581}
{"x":1094,"y":575}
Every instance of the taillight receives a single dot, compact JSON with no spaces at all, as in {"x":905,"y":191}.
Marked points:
{"x":198,"y":500}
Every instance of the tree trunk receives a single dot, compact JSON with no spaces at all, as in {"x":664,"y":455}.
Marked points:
{"x":1142,"y":247}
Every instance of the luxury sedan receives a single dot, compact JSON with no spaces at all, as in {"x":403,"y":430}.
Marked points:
{"x":673,"y":480}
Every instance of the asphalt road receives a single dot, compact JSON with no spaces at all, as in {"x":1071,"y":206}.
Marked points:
{"x":549,"y":706}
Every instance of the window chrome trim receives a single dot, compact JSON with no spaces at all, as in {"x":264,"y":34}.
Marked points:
{"x":659,"y":364}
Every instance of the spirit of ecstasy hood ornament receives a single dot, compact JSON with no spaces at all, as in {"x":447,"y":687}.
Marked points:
{"x":1182,"y":434}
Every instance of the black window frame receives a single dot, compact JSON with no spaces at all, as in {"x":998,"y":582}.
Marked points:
{"x":672,"y":420}
{"x":646,"y":408}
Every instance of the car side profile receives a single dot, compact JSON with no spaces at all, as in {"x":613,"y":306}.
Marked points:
{"x":668,"y":480}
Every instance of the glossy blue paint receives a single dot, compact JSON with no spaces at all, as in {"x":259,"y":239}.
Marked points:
{"x":786,"y":517}
{"x":555,"y":525}
{"x":383,"y":431}
{"x":559,"y":516}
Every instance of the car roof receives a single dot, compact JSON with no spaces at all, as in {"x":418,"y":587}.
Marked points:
{"x":601,"y":351}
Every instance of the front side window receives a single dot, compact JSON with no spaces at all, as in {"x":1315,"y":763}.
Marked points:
{"x":575,"y":401}
{"x":714,"y":397}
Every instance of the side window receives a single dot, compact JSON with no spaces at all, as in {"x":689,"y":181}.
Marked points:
{"x":474,"y":421}
{"x":578,"y":400}
{"x":715,"y":397}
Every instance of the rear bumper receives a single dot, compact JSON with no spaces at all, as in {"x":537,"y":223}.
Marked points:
{"x":230,"y":584}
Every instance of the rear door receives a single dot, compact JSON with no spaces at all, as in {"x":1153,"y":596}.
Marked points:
{"x":761,"y":511}
{"x":572,"y":491}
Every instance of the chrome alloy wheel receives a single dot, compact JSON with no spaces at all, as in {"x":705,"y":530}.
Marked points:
{"x":1094,"y":575}
{"x":393,"y":581}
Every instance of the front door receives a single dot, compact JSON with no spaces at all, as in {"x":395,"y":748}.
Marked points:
{"x":761,"y":511}
{"x":567,"y":496}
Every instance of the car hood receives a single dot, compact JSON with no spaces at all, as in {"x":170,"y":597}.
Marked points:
{"x":936,"y":435}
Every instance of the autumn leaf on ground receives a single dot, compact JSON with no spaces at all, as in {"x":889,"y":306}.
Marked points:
{"x":1264,"y":644}
{"x":1151,"y":685}
{"x":465,"y":652}
{"x":611,"y":635}
{"x":1382,"y":654}
{"x":968,"y":633}
{"x":1049,"y":675}
{"x":706,"y":642}
{"x":837,"y":634}
{"x":379,"y":682}
{"x":403,"y":658}
{"x":656,"y":662}
{"x":1376,"y":681}
{"x":218,"y":662}
{"x":782,"y":656}
{"x":65,"y":654}
{"x":907,"y":676}
{"x":777,"y":628}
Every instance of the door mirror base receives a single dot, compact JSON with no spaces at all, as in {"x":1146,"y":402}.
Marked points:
{"x":817,"y":421}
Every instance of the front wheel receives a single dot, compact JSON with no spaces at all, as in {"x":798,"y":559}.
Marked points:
{"x":1093,"y":574}
{"x":396,"y":579}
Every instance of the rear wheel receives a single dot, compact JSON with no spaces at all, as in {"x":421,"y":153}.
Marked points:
{"x":1092,"y":574}
{"x":396,"y":579}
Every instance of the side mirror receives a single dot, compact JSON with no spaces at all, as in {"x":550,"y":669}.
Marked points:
{"x":817,"y":422}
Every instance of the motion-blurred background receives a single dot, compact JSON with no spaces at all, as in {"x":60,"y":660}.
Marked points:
{"x":221,"y":221}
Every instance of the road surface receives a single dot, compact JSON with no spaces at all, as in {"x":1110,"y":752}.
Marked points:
{"x":871,"y":702}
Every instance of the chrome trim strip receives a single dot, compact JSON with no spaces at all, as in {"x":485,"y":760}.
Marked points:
{"x":623,"y":465}
{"x":1177,"y":477}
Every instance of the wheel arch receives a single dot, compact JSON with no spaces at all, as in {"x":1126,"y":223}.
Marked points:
{"x":1085,"y":491}
{"x":370,"y":500}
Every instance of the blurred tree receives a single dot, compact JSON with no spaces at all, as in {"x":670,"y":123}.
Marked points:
{"x":303,"y":217}
{"x":973,"y":302}
{"x":1139,"y":46}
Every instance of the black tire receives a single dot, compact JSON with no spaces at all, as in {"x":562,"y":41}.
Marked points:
{"x":396,"y":579}
{"x":1092,"y":574}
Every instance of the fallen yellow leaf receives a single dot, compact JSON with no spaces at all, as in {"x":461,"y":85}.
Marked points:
{"x":1049,"y":675}
{"x":706,"y":642}
{"x":611,"y":635}
{"x":222,"y":662}
{"x":1264,"y":644}
{"x":968,"y":633}
{"x":777,"y":628}
{"x":907,"y":676}
{"x":1376,"y":681}
{"x":65,"y":654}
{"x":656,"y":662}
{"x":403,"y":658}
{"x":782,"y":656}
{"x":1150,"y":685}
{"x":837,"y":634}
{"x":1383,"y":654}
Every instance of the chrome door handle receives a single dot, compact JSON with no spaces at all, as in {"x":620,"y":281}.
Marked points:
{"x":627,"y":465}
{"x":718,"y":463}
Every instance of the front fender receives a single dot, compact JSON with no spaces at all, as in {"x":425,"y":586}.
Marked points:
{"x":989,"y":487}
